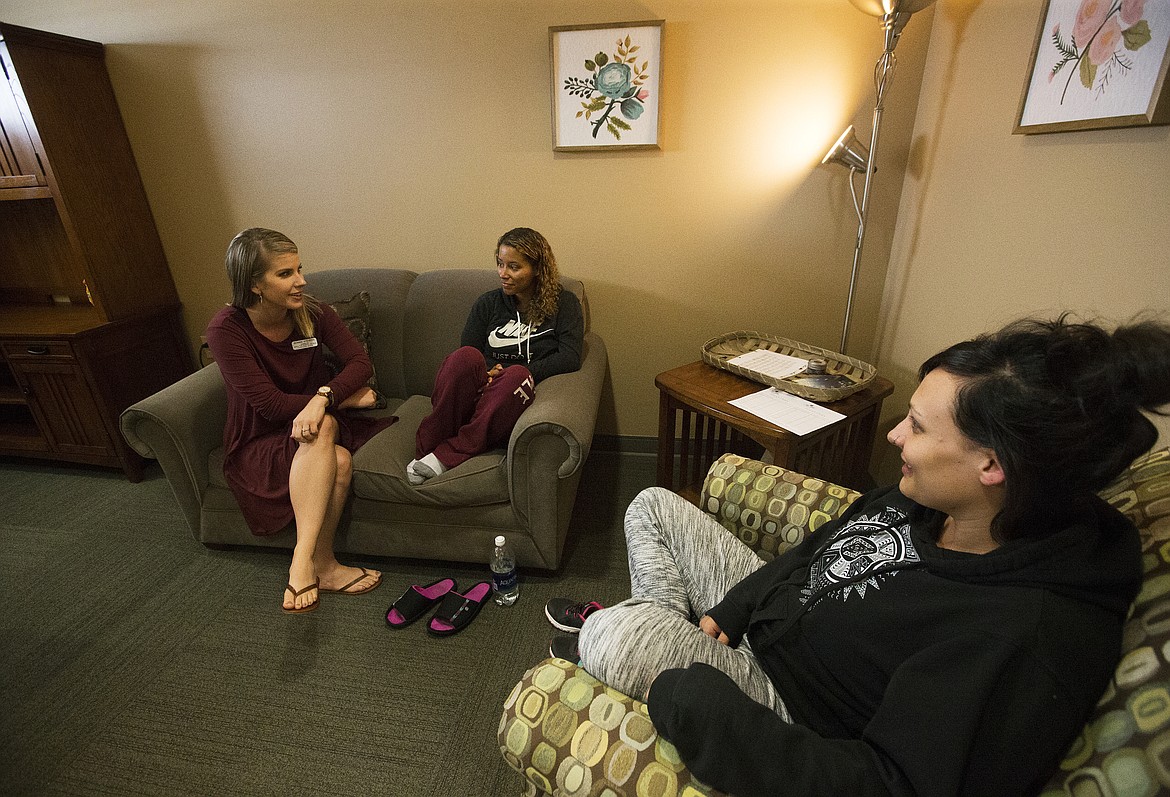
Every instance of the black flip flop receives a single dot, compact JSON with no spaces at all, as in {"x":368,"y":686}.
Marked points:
{"x":416,"y":601}
{"x":457,"y":611}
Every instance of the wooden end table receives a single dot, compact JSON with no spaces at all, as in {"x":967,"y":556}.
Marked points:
{"x":696,"y":426}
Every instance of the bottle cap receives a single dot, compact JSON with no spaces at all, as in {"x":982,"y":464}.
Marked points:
{"x":500,"y":541}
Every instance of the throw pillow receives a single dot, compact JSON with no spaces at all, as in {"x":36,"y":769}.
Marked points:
{"x":355,"y":313}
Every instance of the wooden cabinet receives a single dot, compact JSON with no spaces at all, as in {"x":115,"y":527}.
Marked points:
{"x":89,"y":316}
{"x":50,"y":377}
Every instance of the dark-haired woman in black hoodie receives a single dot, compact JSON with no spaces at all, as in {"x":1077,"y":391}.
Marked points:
{"x":516,"y":335}
{"x":947,"y":636}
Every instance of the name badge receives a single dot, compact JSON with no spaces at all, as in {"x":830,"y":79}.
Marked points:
{"x":307,"y":343}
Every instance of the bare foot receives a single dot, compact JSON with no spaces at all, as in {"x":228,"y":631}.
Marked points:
{"x":348,"y":580}
{"x":302,"y":589}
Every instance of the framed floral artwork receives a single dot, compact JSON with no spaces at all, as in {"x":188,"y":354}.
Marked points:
{"x":1098,"y":64}
{"x":606,"y":82}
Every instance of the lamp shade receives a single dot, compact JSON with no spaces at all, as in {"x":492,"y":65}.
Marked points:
{"x":848,"y":151}
{"x":880,"y":8}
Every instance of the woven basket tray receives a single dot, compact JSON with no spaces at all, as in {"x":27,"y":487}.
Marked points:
{"x":721,"y":350}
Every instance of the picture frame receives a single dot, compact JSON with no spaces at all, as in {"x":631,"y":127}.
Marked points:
{"x":1115,"y":76}
{"x":606,"y":85}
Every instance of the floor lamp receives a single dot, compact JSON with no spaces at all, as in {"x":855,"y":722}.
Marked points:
{"x":848,"y":150}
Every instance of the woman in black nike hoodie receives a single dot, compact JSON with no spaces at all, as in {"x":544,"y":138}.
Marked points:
{"x":516,"y":335}
{"x":947,"y":636}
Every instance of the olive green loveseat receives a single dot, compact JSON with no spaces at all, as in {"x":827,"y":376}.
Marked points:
{"x":570,"y":735}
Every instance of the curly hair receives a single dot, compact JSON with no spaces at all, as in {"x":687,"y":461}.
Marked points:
{"x":536,"y":250}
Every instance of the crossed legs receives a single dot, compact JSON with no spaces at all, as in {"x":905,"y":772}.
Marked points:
{"x":319,"y":487}
{"x":682,"y":563}
{"x":471,"y":412}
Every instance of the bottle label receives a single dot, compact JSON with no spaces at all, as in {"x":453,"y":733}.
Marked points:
{"x":505,"y":582}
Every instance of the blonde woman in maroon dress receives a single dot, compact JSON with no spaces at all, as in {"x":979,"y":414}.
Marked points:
{"x":288,"y":440}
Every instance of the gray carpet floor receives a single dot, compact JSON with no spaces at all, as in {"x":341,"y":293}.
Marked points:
{"x":133,"y":660}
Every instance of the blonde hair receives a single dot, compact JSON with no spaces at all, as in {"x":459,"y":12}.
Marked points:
{"x":249,"y":256}
{"x":536,"y":250}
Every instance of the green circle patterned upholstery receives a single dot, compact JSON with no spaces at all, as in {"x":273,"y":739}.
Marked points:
{"x":769,"y":508}
{"x":572,"y":736}
{"x":1124,"y":749}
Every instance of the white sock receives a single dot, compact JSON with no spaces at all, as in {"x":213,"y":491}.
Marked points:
{"x":411,"y":476}
{"x":429,"y":466}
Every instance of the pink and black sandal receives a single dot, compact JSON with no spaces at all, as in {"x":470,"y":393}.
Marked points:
{"x":457,"y":611}
{"x":416,"y":601}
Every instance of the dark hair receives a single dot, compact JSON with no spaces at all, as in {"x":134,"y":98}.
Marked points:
{"x":1060,"y":405}
{"x":539,"y":253}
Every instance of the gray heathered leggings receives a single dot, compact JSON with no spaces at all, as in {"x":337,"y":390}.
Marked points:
{"x":682,"y":562}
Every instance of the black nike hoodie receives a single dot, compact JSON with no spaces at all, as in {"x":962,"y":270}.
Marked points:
{"x":908,"y":668}
{"x":494,"y":326}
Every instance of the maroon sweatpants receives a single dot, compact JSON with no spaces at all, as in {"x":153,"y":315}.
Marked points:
{"x":469,"y":414}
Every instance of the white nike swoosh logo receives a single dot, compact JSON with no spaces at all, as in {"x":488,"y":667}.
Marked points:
{"x":498,"y":340}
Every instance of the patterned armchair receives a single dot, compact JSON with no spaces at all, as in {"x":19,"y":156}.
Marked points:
{"x":570,"y":735}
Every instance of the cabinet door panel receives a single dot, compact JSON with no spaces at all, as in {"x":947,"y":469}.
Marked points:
{"x":65,"y":410}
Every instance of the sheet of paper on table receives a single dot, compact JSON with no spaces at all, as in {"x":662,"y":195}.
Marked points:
{"x":770,"y":363}
{"x":787,"y":411}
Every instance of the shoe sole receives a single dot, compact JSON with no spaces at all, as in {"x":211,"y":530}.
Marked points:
{"x":566,"y":628}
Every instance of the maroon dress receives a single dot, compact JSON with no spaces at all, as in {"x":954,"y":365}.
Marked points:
{"x":268,"y":384}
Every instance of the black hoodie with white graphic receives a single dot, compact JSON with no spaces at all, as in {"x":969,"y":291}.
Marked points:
{"x":495,"y":328}
{"x":909,"y":668}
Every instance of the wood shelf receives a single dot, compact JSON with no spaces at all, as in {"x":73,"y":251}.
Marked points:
{"x":12,"y":395}
{"x":48,"y":319}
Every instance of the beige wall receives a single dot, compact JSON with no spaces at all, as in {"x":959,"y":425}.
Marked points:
{"x":994,"y":226}
{"x":412,"y":134}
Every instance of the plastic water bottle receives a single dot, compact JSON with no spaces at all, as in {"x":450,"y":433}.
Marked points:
{"x":506,"y":585}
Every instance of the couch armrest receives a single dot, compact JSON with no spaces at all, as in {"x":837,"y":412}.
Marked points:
{"x":548,"y":448}
{"x":769,"y":508}
{"x":566,"y":406}
{"x":180,"y":426}
{"x":562,"y":727}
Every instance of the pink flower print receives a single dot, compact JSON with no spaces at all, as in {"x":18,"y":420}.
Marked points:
{"x":642,"y":94}
{"x":1132,"y":10}
{"x":1106,"y":43}
{"x":1089,"y":18}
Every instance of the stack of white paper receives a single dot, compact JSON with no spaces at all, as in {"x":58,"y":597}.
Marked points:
{"x":787,"y":411}
{"x":771,"y":363}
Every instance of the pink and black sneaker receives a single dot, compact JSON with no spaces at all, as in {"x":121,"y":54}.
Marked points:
{"x":569,"y":615}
